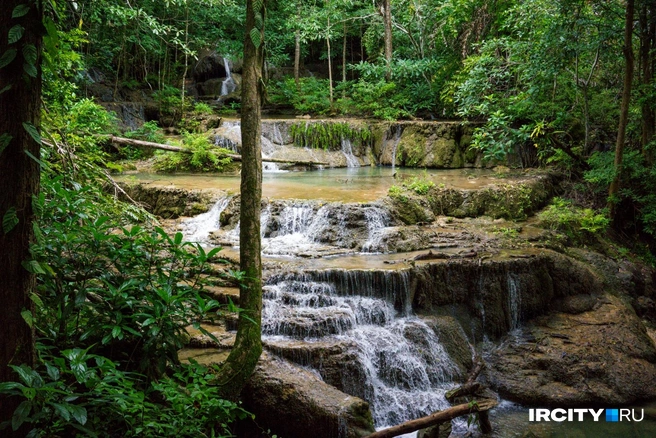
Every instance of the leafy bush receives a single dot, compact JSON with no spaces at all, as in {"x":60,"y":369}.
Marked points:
{"x":112,"y":304}
{"x":419,"y":185}
{"x":170,"y":102}
{"x":575,"y":222}
{"x":203,"y":157}
{"x":201,"y":108}
{"x":311,"y":98}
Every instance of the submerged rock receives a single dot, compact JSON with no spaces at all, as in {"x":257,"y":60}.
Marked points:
{"x":602,"y":355}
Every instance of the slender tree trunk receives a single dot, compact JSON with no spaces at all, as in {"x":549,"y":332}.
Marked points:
{"x":344,"y":60}
{"x":330,"y":63}
{"x":387,"y":20}
{"x":624,"y":109}
{"x":20,"y":106}
{"x":297,"y":50}
{"x":647,"y":36}
{"x":248,"y":344}
{"x":297,"y":59}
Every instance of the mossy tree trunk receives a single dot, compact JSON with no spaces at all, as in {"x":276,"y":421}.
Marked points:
{"x":248,"y":344}
{"x":20,"y":106}
{"x":614,"y":188}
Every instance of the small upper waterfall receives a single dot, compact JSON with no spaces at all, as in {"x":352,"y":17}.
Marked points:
{"x":347,"y":150}
{"x":393,"y":136}
{"x":198,"y":228}
{"x":228,"y":85}
{"x":514,"y":301}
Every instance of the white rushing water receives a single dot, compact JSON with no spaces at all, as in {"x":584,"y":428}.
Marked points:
{"x":377,"y":221}
{"x":198,"y":228}
{"x":406,"y":369}
{"x":228,"y":85}
{"x":347,"y":150}
{"x":514,"y":301}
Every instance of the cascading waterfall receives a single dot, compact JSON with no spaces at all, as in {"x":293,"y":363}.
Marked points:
{"x":198,"y":228}
{"x":406,"y":369}
{"x":377,"y":220}
{"x":298,"y":226}
{"x":228,"y":85}
{"x":514,"y":301}
{"x":347,"y":150}
{"x":393,"y":135}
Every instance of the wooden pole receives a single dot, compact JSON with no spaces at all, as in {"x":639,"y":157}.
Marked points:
{"x":436,"y":418}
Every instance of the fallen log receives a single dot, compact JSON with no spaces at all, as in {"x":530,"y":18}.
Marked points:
{"x":435,"y":418}
{"x":470,"y":387}
{"x":234,"y":157}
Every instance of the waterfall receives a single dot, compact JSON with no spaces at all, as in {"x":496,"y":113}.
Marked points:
{"x":514,"y":301}
{"x":347,"y":150}
{"x":404,"y":369}
{"x":228,"y":85}
{"x":298,"y":226}
{"x":198,"y":228}
{"x":393,"y":135}
{"x":377,"y":220}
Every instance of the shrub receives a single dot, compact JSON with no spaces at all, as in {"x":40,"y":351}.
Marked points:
{"x":203,"y":156}
{"x":575,"y":222}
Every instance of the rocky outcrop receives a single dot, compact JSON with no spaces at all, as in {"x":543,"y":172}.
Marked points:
{"x":293,"y":402}
{"x":170,"y":202}
{"x":595,"y":351}
{"x":515,"y":199}
{"x":440,"y":145}
{"x":502,"y":292}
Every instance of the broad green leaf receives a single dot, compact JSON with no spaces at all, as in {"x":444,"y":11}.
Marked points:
{"x":5,"y":139}
{"x":8,"y":57}
{"x":9,"y":220}
{"x":15,"y":33}
{"x":34,"y":267}
{"x":27,"y":316}
{"x":30,"y":54}
{"x":36,"y":300}
{"x":34,"y":133}
{"x":7,"y":88}
{"x":79,"y":413}
{"x":20,"y":414}
{"x":30,"y":69}
{"x":20,"y":11}
{"x":62,"y":411}
{"x":256,"y":37}
{"x":53,"y":372}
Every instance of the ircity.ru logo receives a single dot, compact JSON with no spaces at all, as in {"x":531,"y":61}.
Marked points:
{"x":612,"y":415}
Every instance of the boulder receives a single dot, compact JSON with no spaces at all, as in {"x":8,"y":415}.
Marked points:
{"x":293,"y":402}
{"x":598,"y":356}
{"x":170,"y":202}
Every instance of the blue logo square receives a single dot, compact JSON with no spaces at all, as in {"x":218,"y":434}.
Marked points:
{"x":612,"y":415}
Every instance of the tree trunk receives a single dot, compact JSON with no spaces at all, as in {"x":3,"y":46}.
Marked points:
{"x":647,"y":36}
{"x":297,"y":59}
{"x":297,"y":50}
{"x":387,"y":20}
{"x":248,"y":344}
{"x":20,"y":105}
{"x":330,"y":64}
{"x":613,"y":190}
